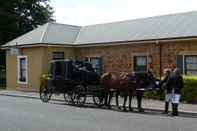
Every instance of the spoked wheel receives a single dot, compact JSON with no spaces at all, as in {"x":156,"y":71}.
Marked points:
{"x":45,"y":94}
{"x":68,"y":97}
{"x":79,"y":95}
{"x":98,"y":98}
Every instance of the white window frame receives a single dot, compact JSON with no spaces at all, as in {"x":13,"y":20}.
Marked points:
{"x":18,"y":64}
{"x":184,"y":56}
{"x":141,"y":55}
{"x":55,"y":53}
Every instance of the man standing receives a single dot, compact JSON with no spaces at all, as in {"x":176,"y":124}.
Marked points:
{"x":175,"y":82}
{"x":168,"y":89}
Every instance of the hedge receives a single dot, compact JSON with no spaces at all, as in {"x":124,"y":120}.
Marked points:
{"x":189,"y":92}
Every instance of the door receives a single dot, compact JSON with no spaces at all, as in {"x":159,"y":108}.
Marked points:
{"x":2,"y":77}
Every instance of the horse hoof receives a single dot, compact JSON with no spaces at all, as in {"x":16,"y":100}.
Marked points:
{"x":119,"y":108}
{"x":130,"y":109}
{"x":141,"y":110}
{"x":124,"y":109}
{"x":109,"y":107}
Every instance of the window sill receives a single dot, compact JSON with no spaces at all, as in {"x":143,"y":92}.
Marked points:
{"x":21,"y":82}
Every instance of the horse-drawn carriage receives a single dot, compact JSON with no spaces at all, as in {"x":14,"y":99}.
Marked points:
{"x":77,"y":80}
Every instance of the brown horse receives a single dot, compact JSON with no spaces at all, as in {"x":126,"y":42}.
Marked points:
{"x":119,"y":83}
{"x":127,"y":84}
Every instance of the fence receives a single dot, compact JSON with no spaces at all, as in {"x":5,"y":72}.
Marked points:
{"x":2,"y":77}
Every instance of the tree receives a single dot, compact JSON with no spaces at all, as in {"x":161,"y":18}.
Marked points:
{"x":20,"y":16}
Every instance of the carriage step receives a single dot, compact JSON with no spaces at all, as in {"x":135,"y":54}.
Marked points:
{"x":112,"y":90}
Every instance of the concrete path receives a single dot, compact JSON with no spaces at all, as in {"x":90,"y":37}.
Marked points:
{"x":146,"y":103}
{"x":22,"y":114}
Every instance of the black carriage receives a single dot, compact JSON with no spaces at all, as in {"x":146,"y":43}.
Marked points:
{"x":77,"y":80}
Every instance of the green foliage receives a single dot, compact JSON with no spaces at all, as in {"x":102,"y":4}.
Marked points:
{"x":190,"y":89}
{"x":189,"y":92}
{"x":154,"y":95}
{"x":20,"y":16}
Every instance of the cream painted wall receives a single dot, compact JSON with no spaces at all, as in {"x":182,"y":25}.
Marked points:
{"x":38,"y":63}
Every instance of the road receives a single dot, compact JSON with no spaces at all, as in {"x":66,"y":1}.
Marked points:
{"x":22,"y":114}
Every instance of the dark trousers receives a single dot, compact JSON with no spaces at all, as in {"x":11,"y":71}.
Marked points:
{"x":139,"y":94}
{"x":166,"y":107}
{"x":175,"y":109}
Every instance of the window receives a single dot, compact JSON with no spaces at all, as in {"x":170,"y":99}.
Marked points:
{"x":58,"y":55}
{"x":140,"y":63}
{"x":22,"y":69}
{"x":96,"y":63}
{"x":191,"y":65}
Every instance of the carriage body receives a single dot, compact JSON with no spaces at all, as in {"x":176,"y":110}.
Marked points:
{"x":74,"y":79}
{"x":60,"y":76}
{"x":66,"y":74}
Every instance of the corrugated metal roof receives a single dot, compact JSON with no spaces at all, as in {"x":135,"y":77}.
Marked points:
{"x":34,"y":36}
{"x":52,"y":33}
{"x":168,"y":26}
{"x":159,"y":27}
{"x":61,"y":34}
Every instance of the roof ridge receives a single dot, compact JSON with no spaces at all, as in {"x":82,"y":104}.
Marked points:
{"x":75,"y":41}
{"x":45,"y":32}
{"x":144,"y":18}
{"x":64,"y":24}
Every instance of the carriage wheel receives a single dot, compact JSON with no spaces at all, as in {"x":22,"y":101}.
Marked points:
{"x":68,"y":97}
{"x":79,"y":95}
{"x":45,"y":94}
{"x":98,"y":98}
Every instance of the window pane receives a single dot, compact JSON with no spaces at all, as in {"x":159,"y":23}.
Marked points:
{"x":96,"y":64}
{"x":191,"y":65}
{"x":140,"y":63}
{"x":58,"y":55}
{"x":191,"y":72}
{"x":22,"y":69}
{"x":23,"y":63}
{"x":23,"y":75}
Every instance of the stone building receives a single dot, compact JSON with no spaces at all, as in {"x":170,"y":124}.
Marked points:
{"x":133,"y":45}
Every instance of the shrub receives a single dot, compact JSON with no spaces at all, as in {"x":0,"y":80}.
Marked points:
{"x":154,"y":95}
{"x":189,"y":92}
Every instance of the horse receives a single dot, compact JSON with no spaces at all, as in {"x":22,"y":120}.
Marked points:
{"x":116,"y":82}
{"x":127,"y":84}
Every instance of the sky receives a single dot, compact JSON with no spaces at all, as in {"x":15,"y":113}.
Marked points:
{"x":88,"y":12}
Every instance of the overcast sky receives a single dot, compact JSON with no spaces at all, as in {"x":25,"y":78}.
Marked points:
{"x":87,"y":12}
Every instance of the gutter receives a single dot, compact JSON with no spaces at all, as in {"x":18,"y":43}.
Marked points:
{"x":126,"y":42}
{"x":37,"y":45}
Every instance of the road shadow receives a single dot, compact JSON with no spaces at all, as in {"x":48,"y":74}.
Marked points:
{"x":155,"y":112}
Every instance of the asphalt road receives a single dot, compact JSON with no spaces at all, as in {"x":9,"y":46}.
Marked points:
{"x":22,"y":114}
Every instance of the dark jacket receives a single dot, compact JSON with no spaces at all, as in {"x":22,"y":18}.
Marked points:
{"x":175,"y":82}
{"x":164,"y":81}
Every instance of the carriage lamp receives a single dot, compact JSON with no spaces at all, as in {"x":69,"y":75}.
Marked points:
{"x":45,"y":76}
